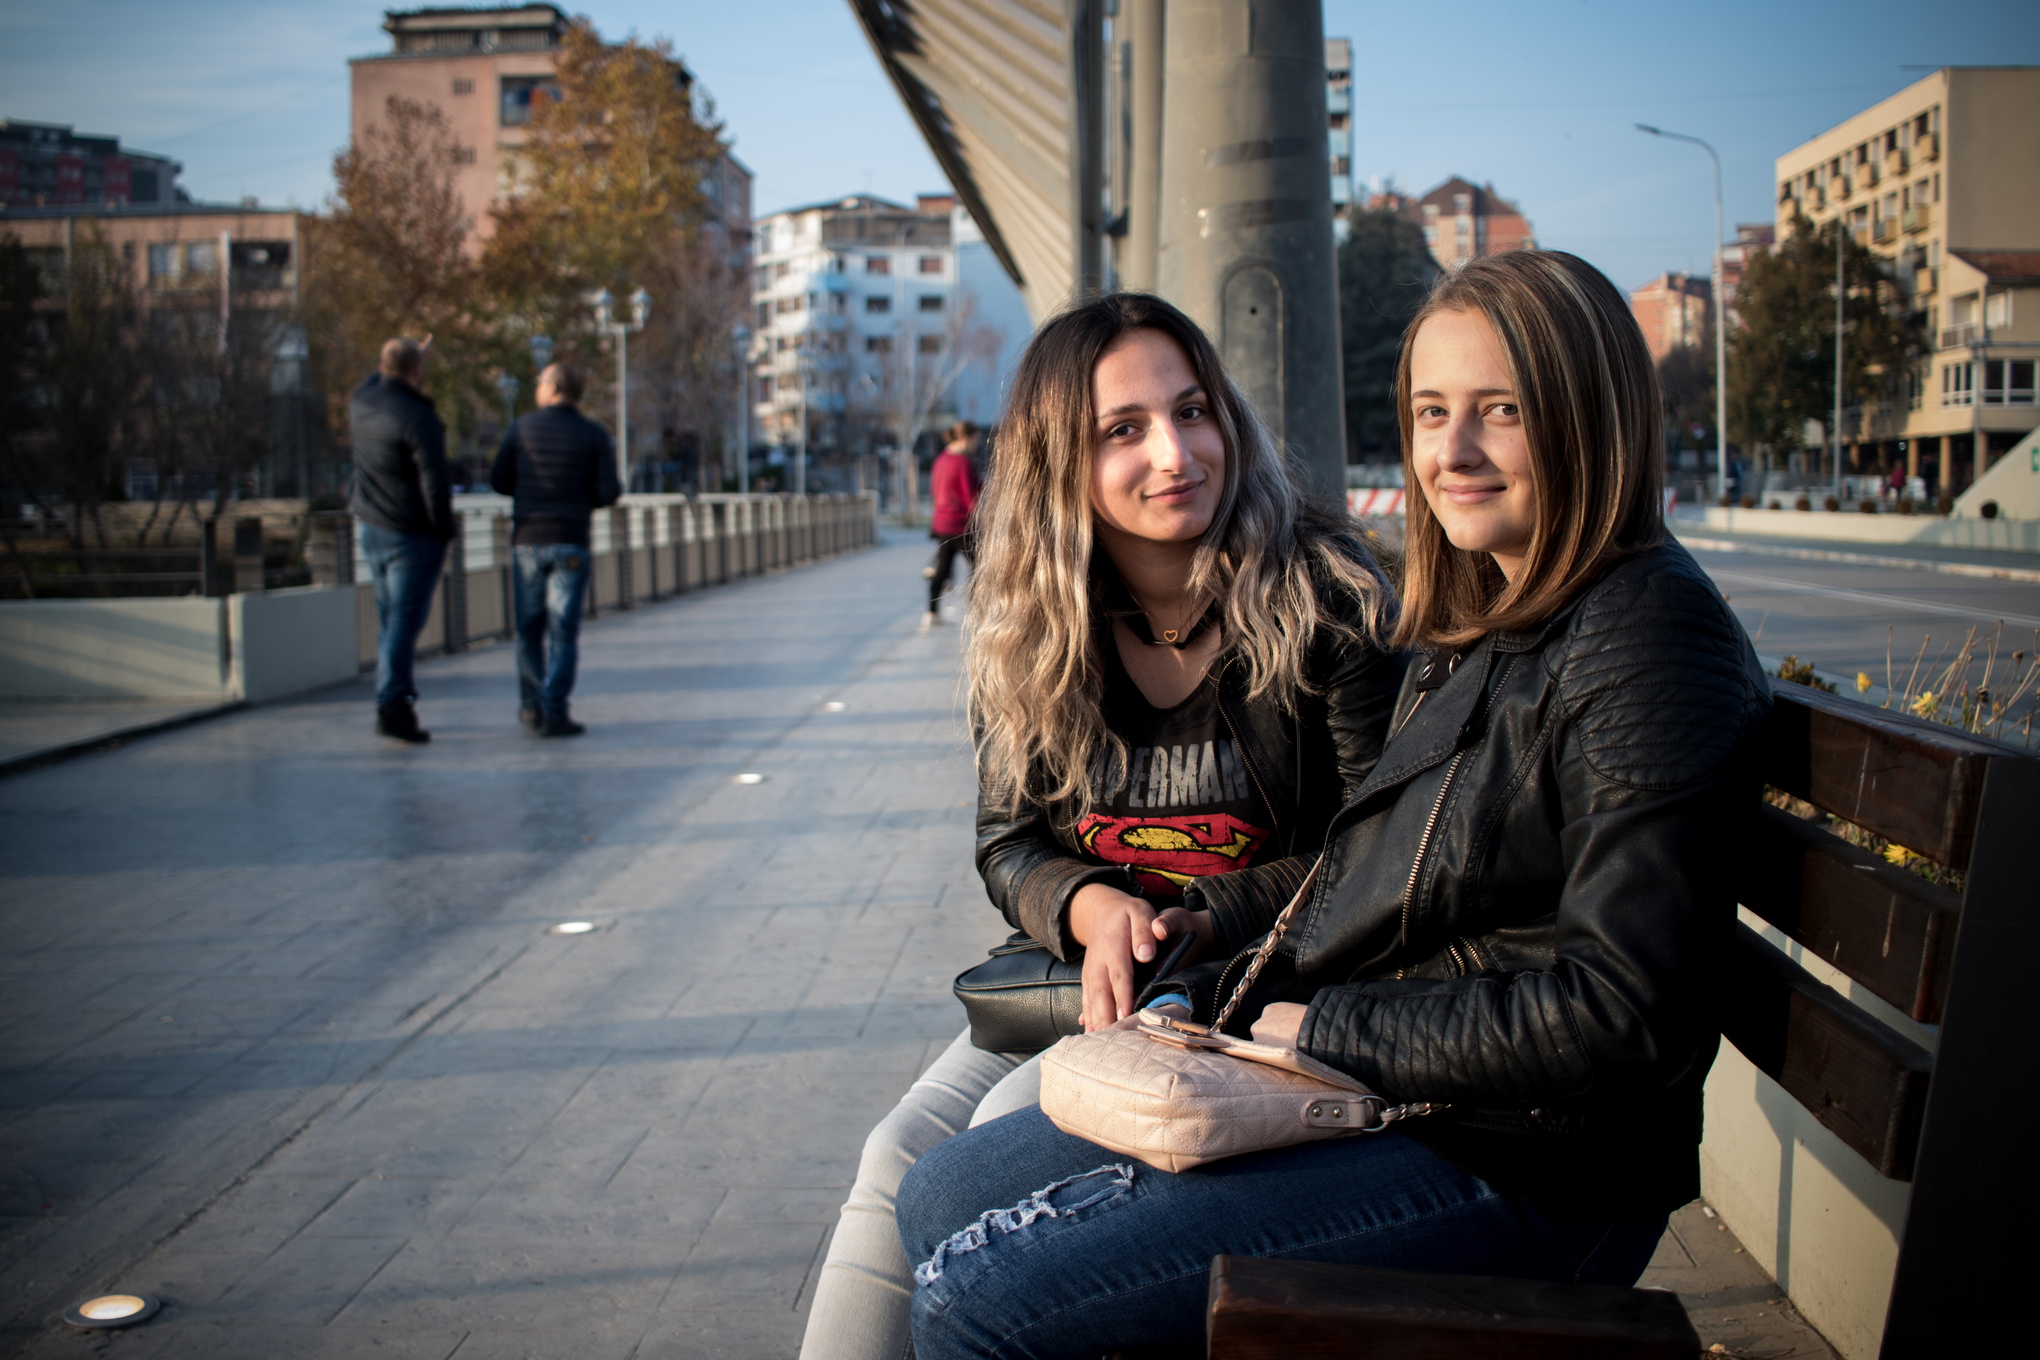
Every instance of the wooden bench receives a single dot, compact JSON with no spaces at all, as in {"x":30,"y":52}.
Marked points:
{"x":1956,"y":1123}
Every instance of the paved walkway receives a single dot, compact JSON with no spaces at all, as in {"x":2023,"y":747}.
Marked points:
{"x":287,"y":1037}
{"x":288,"y":1041}
{"x":34,"y":732}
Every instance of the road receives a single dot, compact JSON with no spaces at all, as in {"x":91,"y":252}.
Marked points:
{"x":1911,"y":626}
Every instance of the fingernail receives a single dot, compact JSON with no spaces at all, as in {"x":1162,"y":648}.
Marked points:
{"x":1145,"y":952}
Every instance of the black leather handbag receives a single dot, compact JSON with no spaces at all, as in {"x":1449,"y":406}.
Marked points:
{"x":1021,"y":999}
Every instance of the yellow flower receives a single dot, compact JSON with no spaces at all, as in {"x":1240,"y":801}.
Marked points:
{"x":1862,"y":682}
{"x":1896,"y":854}
{"x":1924,"y":704}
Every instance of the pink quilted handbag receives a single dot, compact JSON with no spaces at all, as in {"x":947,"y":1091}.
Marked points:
{"x":1178,"y":1095}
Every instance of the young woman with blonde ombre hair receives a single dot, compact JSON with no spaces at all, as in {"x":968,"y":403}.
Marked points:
{"x":1175,"y":676}
{"x":1517,"y":916}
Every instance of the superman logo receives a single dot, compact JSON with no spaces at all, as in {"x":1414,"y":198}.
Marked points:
{"x":1167,"y":852}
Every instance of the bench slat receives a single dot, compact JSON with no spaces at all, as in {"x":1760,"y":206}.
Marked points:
{"x":1863,"y":1080}
{"x":1908,"y":780}
{"x":1890,"y":930}
{"x":1307,"y":1310}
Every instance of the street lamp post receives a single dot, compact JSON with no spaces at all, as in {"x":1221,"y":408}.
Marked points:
{"x":607,"y":324}
{"x":507,"y":385}
{"x":1720,"y":313}
{"x":741,"y":338}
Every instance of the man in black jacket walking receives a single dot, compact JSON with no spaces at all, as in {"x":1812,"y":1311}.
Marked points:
{"x":560,"y":467}
{"x":403,"y":498}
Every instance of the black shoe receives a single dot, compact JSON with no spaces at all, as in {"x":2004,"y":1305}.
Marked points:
{"x":401,"y":722}
{"x":560,"y":725}
{"x":531,"y":718}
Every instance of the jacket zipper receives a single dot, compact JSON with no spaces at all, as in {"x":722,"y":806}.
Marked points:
{"x":1424,"y":845}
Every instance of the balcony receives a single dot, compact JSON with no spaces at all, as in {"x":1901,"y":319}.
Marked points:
{"x":1930,"y":148}
{"x":1926,"y":281}
{"x":1844,"y":186}
{"x":1917,"y":218}
{"x":1961,"y":335}
{"x":1883,"y":230}
{"x":1896,"y":161}
{"x":1870,"y":173}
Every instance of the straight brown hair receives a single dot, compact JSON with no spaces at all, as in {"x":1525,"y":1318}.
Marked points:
{"x":1592,"y":415}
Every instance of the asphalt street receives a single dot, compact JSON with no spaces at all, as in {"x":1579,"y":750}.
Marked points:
{"x":1848,"y":619}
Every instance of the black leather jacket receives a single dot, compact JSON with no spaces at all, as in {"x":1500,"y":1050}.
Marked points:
{"x":1519,"y":911}
{"x":401,"y":480}
{"x":1305,"y":763}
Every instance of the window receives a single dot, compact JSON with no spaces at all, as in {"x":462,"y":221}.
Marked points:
{"x":931,"y":264}
{"x":878,"y":344}
{"x":463,"y":85}
{"x":931,"y":302}
{"x":877,"y":264}
{"x":1997,"y":309}
{"x":518,"y":94}
{"x":876,"y":305}
{"x":163,"y":261}
{"x":1956,"y":384}
{"x":931,"y":344}
{"x":2008,"y":382}
{"x":201,"y":257}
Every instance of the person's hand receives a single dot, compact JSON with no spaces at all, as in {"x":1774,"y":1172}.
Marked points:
{"x":1117,"y":931}
{"x":1279,"y":1024}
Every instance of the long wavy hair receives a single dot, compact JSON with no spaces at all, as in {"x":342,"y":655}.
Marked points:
{"x":1033,"y":666}
{"x":1592,"y":417}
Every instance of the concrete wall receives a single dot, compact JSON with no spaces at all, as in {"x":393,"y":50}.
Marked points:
{"x":114,"y":649}
{"x":2013,"y":482}
{"x":2000,"y":534}
{"x":1809,"y":1210}
{"x":288,"y":641}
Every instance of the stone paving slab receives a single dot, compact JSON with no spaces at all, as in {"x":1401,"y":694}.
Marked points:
{"x":284,"y":1036}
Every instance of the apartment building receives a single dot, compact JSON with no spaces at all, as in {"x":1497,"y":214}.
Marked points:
{"x":482,"y":68}
{"x":1464,"y":221}
{"x":1339,"y":122}
{"x":48,"y":165}
{"x":1939,"y":179}
{"x":860,"y":306}
{"x":1751,"y":240}
{"x":1673,"y":309}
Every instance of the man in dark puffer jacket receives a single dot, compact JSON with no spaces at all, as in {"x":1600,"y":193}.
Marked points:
{"x":560,"y":467}
{"x":403,"y":498}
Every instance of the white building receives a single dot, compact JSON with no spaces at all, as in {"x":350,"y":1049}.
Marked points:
{"x":875,"y":322}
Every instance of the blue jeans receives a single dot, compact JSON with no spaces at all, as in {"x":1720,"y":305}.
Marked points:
{"x":551,"y":586}
{"x":405,"y":569}
{"x":1096,"y":1251}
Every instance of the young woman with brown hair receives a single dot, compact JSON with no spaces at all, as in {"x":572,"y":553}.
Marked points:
{"x":1175,"y":675}
{"x":1515,"y":914}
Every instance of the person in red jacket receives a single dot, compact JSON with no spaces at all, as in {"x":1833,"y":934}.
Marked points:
{"x":953,"y":486}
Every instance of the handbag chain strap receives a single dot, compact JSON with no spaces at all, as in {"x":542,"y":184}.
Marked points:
{"x":1275,"y":934}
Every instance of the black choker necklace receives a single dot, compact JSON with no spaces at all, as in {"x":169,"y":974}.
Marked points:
{"x":1120,"y":604}
{"x":1137,"y":620}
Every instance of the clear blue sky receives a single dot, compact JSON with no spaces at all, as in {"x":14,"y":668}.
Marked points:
{"x":1539,"y":98}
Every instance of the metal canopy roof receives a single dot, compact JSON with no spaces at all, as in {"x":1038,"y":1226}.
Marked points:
{"x":988,"y":84}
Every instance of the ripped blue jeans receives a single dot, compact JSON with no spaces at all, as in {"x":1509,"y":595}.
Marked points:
{"x":1033,"y":1243}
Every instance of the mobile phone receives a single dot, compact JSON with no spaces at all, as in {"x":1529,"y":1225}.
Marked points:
{"x":1174,"y":958}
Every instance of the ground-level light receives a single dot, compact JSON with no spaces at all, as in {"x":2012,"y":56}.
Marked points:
{"x":112,"y":1310}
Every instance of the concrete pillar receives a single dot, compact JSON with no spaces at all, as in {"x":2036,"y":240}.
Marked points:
{"x":1142,"y":149}
{"x":1245,"y":243}
{"x":1087,"y":143}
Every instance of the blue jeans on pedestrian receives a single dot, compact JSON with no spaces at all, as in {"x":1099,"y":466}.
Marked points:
{"x":405,"y":569}
{"x":1029,"y":1242}
{"x":551,"y":585}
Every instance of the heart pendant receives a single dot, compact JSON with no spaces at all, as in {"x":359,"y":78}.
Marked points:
{"x":1169,"y":634}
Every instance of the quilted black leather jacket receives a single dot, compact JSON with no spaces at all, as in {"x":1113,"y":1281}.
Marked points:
{"x":1519,"y":911}
{"x":1304,"y":762}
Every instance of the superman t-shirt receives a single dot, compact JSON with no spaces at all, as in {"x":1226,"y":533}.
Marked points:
{"x":1185,"y":804}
